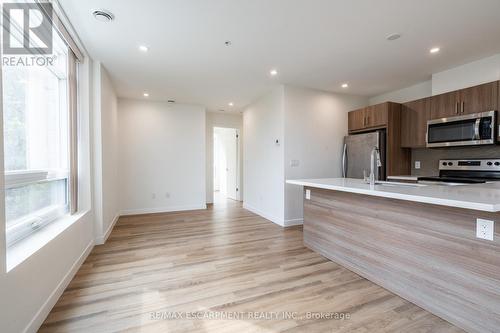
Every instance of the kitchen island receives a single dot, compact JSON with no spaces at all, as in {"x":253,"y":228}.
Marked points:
{"x":416,"y":241}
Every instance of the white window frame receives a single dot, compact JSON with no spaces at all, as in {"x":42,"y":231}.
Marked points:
{"x":26,"y":225}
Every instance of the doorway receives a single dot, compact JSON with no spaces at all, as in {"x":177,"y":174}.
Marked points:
{"x":226,"y":164}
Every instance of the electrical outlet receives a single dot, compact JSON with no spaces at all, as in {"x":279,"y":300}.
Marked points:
{"x":484,"y":229}
{"x":167,"y":195}
{"x":417,"y":165}
{"x":153,"y":195}
{"x":308,"y":194}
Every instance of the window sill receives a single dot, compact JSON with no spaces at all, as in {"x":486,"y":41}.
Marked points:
{"x":22,"y":250}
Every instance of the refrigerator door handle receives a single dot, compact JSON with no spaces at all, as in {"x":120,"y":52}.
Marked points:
{"x":344,"y":161}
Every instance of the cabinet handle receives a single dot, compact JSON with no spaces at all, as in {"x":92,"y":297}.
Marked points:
{"x":456,"y":107}
{"x":463,"y":107}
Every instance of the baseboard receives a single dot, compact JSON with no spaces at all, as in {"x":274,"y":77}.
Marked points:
{"x":45,"y":309}
{"x":102,"y":239}
{"x":265,"y":215}
{"x":162,"y":209}
{"x":292,"y":222}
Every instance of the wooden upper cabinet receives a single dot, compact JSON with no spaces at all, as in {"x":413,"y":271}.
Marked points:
{"x":370,"y":117}
{"x":414,"y":117}
{"x":476,"y":99}
{"x":357,"y":120}
{"x":377,"y":115}
{"x":480,"y":98}
{"x":445,"y":105}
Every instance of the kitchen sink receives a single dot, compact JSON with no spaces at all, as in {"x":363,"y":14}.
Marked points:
{"x":386,"y":183}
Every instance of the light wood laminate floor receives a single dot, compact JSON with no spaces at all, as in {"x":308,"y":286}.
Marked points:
{"x":223,"y":261}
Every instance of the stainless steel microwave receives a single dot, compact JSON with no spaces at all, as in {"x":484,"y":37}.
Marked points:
{"x":467,"y":130}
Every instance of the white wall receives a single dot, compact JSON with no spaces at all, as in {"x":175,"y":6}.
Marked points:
{"x":30,"y":289}
{"x":310,"y":126}
{"x":315,"y":126}
{"x":105,"y":150}
{"x":161,"y":156}
{"x":227,"y":120}
{"x":264,"y":174}
{"x":417,"y":91}
{"x":468,"y":75}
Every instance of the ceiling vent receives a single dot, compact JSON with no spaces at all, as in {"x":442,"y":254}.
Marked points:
{"x":103,"y":15}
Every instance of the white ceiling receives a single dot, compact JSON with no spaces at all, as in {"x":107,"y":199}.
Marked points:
{"x":313,"y":43}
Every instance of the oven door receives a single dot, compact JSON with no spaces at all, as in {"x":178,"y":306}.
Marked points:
{"x":473,"y":129}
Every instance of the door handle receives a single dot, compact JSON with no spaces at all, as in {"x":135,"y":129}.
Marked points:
{"x":477,"y":135}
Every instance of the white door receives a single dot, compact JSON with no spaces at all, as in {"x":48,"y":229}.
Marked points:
{"x":231,"y":148}
{"x":226,"y":153}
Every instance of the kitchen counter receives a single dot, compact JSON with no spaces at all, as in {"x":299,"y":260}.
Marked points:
{"x":482,"y":197}
{"x":418,"y":241}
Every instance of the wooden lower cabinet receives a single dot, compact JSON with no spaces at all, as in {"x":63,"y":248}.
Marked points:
{"x":427,"y":254}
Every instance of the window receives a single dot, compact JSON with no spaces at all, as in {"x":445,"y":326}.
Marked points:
{"x":37,"y":143}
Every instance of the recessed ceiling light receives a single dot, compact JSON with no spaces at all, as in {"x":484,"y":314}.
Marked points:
{"x":228,"y":43}
{"x":145,"y":94}
{"x":434,"y":50}
{"x":143,"y":48}
{"x":392,"y":37}
{"x":273,"y":72}
{"x":103,"y":15}
{"x":230,"y":104}
{"x":345,"y":85}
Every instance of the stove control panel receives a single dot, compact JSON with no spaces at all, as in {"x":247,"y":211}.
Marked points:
{"x":470,"y":165}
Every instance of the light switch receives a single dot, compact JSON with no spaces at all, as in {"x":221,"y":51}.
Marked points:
{"x":294,"y":163}
{"x":417,"y":164}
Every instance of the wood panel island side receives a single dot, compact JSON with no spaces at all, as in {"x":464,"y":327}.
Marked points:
{"x":418,"y":242}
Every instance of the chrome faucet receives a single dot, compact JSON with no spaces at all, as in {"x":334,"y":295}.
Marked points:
{"x":374,"y":158}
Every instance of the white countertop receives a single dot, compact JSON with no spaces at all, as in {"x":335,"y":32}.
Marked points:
{"x":484,"y":197}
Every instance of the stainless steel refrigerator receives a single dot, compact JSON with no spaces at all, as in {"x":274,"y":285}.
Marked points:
{"x":357,"y":154}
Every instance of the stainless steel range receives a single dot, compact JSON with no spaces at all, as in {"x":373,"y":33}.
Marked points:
{"x":462,"y":172}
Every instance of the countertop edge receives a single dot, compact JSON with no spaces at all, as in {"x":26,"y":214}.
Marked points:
{"x":401,"y":196}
